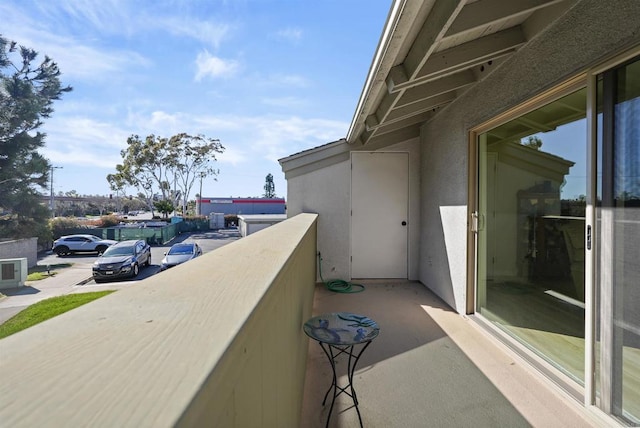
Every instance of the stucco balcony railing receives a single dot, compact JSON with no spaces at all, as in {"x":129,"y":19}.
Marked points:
{"x":215,"y":342}
{"x":219,"y":342}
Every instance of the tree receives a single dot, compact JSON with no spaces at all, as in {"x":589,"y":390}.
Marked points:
{"x":156,"y":166}
{"x":269,"y":187}
{"x":195,"y":155}
{"x":165,"y":207}
{"x":27,"y":92}
{"x":533,"y":142}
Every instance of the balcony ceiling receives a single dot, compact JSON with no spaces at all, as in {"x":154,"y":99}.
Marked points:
{"x":432,"y":51}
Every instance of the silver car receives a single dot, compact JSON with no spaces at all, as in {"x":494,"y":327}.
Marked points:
{"x":180,"y":253}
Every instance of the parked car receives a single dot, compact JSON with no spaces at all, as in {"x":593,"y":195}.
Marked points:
{"x":180,"y":253}
{"x":70,"y":244}
{"x":123,"y":259}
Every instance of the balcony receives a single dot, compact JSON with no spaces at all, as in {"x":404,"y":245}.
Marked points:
{"x":218,"y":342}
{"x":431,"y":367}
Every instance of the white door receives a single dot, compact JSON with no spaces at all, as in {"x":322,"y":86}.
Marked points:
{"x":379,"y":206}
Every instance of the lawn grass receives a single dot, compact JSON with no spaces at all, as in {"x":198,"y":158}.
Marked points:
{"x":46,"y":309}
{"x":39,"y":272}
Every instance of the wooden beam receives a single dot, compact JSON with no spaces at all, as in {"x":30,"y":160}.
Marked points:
{"x":436,"y":25}
{"x":437,"y":87}
{"x":397,"y":76}
{"x":386,"y":105}
{"x":371,"y":121}
{"x":427,"y":104}
{"x":420,"y":118}
{"x":468,"y":55}
{"x":397,"y":136}
{"x":486,"y":12}
{"x":429,"y":90}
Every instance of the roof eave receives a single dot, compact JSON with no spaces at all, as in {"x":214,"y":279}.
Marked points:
{"x":399,"y":21}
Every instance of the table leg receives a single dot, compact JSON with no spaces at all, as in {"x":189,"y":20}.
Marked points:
{"x":351,"y":368}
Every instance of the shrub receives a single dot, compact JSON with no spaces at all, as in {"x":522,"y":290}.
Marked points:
{"x":43,"y":232}
{"x":192,"y":217}
{"x":109,"y":221}
{"x":60,"y":225}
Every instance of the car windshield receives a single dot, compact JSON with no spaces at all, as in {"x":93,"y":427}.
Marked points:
{"x":119,"y":251}
{"x":180,"y":249}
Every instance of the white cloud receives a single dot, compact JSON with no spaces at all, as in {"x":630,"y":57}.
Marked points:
{"x":106,"y":16}
{"x":270,"y":137}
{"x":232,"y":155}
{"x":85,"y":62}
{"x":282,"y":137}
{"x":284,"y":102}
{"x":212,"y":66}
{"x":291,"y":34}
{"x":160,"y":118}
{"x":211,"y":33}
{"x":76,"y":58}
{"x":84,"y":141}
{"x":279,"y":80}
{"x":291,"y":79}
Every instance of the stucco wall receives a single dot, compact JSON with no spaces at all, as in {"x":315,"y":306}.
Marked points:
{"x":588,"y":33}
{"x":20,"y":248}
{"x":327,"y":191}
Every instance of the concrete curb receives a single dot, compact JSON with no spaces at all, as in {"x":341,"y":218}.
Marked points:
{"x":85,"y":281}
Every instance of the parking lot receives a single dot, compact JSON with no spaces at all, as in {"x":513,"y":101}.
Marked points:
{"x":207,"y":240}
{"x":77,"y":277}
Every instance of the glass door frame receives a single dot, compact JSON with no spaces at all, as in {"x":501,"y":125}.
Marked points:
{"x":605,"y":400}
{"x":571,"y":85}
{"x":587,"y":79}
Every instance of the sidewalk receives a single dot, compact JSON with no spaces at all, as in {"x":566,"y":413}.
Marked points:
{"x":66,"y":281}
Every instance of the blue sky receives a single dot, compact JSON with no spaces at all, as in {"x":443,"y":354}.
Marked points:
{"x":269,"y":78}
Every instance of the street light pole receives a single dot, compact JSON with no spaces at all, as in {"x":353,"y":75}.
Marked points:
{"x":200,"y":204}
{"x":52,"y":199}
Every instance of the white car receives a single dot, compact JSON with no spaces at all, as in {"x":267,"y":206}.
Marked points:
{"x":180,"y":253}
{"x":70,"y":244}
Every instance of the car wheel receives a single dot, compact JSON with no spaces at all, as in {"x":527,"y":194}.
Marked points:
{"x":100,"y":249}
{"x":62,"y":250}
{"x":149,"y":260}
{"x":135,"y":271}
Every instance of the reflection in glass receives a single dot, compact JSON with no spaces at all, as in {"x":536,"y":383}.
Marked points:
{"x":532,"y":188}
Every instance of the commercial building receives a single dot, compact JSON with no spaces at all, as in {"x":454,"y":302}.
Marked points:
{"x":206,"y":206}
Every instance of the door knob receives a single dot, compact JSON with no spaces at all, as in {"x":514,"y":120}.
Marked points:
{"x":404,"y":223}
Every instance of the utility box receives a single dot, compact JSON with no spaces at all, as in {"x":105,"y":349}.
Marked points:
{"x":13,"y":272}
{"x":216,"y":221}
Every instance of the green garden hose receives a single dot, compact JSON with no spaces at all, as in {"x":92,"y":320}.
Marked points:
{"x":339,"y":285}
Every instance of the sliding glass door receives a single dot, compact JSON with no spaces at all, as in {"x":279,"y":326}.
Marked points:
{"x":530,"y":271}
{"x":557,"y":234}
{"x":560,"y":277}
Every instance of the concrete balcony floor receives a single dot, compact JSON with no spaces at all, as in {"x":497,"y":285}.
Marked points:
{"x":430,"y":367}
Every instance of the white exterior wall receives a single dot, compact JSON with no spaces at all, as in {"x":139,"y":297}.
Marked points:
{"x":589,"y":32}
{"x":327,"y":192}
{"x":27,"y":247}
